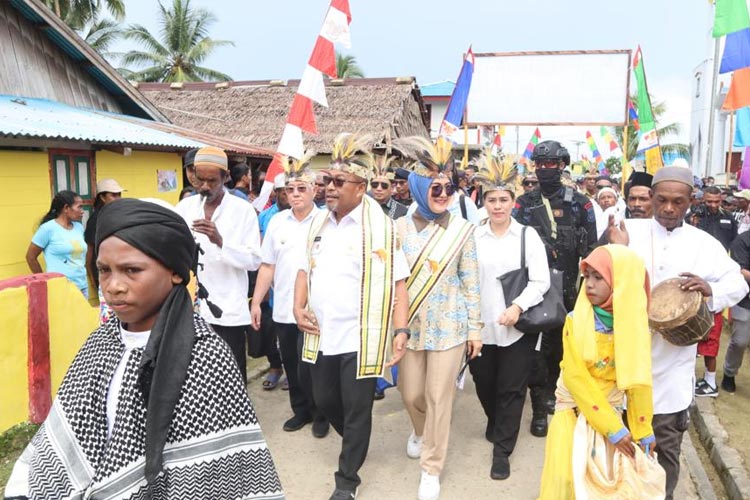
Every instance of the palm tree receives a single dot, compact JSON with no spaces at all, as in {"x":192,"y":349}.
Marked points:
{"x":183,"y":46}
{"x":100,"y":34}
{"x":662,"y":132}
{"x":347,"y":67}
{"x":76,"y":13}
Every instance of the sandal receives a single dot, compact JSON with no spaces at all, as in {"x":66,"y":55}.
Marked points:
{"x":272,"y":380}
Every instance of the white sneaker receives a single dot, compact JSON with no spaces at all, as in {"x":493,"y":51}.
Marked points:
{"x":429,"y":487}
{"x":414,"y":446}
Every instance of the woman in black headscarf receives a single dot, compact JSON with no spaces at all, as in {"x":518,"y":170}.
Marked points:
{"x":153,"y":405}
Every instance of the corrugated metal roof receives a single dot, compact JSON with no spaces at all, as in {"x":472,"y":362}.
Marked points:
{"x":438,"y":89}
{"x":42,"y":118}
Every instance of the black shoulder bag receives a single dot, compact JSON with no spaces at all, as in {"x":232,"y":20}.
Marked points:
{"x":550,"y":312}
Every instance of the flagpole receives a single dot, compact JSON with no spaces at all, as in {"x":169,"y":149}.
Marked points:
{"x":625,"y":163}
{"x":728,"y":163}
{"x":465,"y":159}
{"x":712,"y":114}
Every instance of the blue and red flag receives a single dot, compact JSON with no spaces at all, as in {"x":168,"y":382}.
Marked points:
{"x":455,"y":113}
{"x":633,"y":115}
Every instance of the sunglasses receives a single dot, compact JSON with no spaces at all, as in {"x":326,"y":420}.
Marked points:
{"x":530,"y":183}
{"x":299,"y":189}
{"x":381,"y":185}
{"x":437,"y":189}
{"x":338,"y":181}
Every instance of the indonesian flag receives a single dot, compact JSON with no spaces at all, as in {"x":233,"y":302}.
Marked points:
{"x":311,"y":89}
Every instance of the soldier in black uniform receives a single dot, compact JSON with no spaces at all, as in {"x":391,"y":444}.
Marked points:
{"x":566,"y":223}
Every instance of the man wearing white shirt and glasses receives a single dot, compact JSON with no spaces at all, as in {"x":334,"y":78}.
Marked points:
{"x":284,"y":240}
{"x":670,"y":248}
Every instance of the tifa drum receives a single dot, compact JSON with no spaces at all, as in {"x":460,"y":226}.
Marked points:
{"x":680,"y":316}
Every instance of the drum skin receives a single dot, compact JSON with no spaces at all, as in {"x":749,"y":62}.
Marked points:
{"x":680,"y":316}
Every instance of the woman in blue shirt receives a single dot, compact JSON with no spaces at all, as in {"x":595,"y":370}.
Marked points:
{"x":60,"y":237}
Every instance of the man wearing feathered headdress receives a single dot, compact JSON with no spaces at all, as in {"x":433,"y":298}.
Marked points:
{"x":350,"y":290}
{"x":284,"y":239}
{"x":381,"y":187}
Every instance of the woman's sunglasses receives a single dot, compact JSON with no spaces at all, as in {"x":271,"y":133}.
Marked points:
{"x":437,"y":189}
{"x":380,"y":185}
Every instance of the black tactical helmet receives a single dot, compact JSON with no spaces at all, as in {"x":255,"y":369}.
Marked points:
{"x":550,"y":151}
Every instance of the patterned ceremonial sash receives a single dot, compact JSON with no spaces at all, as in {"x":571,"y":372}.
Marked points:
{"x":442,"y":246}
{"x":376,"y":289}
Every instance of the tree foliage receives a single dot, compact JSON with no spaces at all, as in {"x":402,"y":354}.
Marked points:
{"x":347,"y":67}
{"x":182,"y":46}
{"x":663,"y":131}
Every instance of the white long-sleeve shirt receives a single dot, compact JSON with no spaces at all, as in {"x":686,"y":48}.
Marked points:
{"x":666,"y":254}
{"x":286,"y":239}
{"x":497,"y":256}
{"x":224,"y":272}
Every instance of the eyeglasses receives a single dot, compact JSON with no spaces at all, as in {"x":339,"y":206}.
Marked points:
{"x":399,"y":182}
{"x":530,"y":183}
{"x":437,"y":189}
{"x":299,"y":189}
{"x":338,"y":181}
{"x":380,"y":185}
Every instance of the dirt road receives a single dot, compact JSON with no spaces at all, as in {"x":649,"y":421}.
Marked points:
{"x":306,"y":464}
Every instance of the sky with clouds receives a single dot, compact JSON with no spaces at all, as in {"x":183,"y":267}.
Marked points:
{"x":426,"y":39}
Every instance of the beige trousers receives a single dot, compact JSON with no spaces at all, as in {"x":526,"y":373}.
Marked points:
{"x":427,"y":382}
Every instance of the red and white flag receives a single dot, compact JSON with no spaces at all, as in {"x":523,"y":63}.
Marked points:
{"x":311,"y":89}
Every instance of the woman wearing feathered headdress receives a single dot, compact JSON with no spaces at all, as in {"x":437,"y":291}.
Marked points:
{"x":444,"y":317}
{"x":501,"y":375}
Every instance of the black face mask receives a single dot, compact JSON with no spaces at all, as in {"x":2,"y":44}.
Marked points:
{"x":549,"y":180}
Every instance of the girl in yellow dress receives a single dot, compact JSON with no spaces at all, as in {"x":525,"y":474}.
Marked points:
{"x":607,"y":357}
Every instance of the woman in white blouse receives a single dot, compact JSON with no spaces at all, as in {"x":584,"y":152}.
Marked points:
{"x":501,"y":374}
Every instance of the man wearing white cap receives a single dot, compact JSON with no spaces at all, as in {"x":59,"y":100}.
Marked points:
{"x":671,"y":248}
{"x":107,"y":191}
{"x":226,"y":228}
{"x":742,"y":215}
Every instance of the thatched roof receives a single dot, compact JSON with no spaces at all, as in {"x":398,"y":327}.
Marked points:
{"x":254,"y":112}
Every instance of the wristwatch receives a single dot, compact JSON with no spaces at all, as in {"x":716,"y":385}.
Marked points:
{"x":402,"y":330}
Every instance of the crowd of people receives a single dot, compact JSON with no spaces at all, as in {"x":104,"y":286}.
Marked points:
{"x":388,"y":268}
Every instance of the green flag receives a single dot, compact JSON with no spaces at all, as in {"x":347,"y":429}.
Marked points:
{"x":643,"y":103}
{"x":730,"y":16}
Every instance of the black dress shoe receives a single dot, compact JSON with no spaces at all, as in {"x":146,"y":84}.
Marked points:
{"x":379,"y":394}
{"x":727,"y":384}
{"x":500,"y":468}
{"x":539,"y":425}
{"x":320,"y":428}
{"x":296,"y":423}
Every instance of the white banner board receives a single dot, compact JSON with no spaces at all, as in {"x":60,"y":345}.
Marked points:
{"x":549,"y":88}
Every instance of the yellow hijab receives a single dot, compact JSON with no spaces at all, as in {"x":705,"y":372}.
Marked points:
{"x":623,"y":269}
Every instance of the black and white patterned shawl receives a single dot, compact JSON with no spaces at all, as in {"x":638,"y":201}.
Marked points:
{"x":215,"y":447}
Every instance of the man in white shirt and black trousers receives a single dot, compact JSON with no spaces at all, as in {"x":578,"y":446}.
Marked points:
{"x":285,"y":239}
{"x":671,"y":248}
{"x":226,"y":228}
{"x":350,"y":289}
